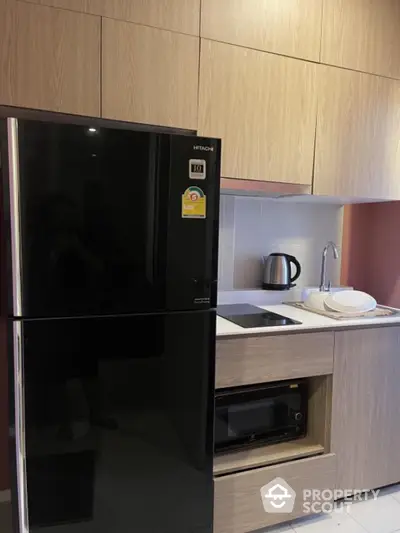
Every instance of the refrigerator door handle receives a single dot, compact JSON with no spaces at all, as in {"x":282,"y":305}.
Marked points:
{"x":20,"y":449}
{"x":153,"y":212}
{"x":13,"y":165}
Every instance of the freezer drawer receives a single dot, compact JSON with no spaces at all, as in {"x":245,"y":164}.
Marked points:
{"x":118,"y":423}
{"x":238,"y":505}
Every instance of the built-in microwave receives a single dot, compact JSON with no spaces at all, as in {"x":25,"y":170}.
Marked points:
{"x":260,"y":414}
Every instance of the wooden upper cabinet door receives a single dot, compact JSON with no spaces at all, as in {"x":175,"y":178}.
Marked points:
{"x":49,"y":59}
{"x":288,"y":27}
{"x":176,"y":15}
{"x":358,"y":130}
{"x":149,"y":75}
{"x":365,"y":408}
{"x":362,"y":35}
{"x":263,"y":107}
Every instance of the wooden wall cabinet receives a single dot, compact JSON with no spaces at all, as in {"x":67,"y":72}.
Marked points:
{"x":176,"y":15}
{"x":149,"y":75}
{"x":365,"y":411}
{"x":358,"y":130}
{"x":362,"y":35}
{"x":288,"y":27}
{"x":49,"y":59}
{"x":263,"y":106}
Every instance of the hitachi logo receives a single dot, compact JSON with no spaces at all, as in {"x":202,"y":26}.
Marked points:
{"x":203,"y":148}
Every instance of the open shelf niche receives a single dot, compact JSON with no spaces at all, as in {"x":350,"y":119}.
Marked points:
{"x":316,"y":442}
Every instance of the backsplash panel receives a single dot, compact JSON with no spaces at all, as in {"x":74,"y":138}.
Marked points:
{"x":253,"y":227}
{"x":226,"y":242}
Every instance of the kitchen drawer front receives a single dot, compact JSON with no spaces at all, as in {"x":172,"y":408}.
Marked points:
{"x":238,"y":506}
{"x":247,"y":360}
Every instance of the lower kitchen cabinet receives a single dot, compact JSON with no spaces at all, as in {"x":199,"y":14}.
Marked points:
{"x":49,"y":59}
{"x":249,"y":360}
{"x":366,"y":408}
{"x":238,"y":500}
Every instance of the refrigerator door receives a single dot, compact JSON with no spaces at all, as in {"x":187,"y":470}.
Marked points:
{"x":107,"y":221}
{"x":193,"y":223}
{"x":119,"y":423}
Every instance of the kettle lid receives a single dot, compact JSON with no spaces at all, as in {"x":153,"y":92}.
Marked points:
{"x":275,"y":254}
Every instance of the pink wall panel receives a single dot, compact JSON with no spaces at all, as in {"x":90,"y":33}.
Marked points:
{"x":354,"y":246}
{"x":371,"y":250}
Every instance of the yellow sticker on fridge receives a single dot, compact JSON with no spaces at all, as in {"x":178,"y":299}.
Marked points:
{"x":193,"y":203}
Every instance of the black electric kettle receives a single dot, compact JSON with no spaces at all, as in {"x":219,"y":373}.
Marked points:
{"x":277,"y":272}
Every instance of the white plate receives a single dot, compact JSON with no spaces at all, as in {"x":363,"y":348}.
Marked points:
{"x":316,"y":300}
{"x":351,"y":302}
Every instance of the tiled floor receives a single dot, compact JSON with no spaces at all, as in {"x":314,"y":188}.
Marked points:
{"x":372,"y":516}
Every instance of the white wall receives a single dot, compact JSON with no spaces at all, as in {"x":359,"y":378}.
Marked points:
{"x":253,"y":227}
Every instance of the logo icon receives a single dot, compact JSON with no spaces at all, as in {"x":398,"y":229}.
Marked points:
{"x":278,"y":496}
{"x":203,"y":148}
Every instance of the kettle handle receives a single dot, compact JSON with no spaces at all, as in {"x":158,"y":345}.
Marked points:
{"x":293,"y":260}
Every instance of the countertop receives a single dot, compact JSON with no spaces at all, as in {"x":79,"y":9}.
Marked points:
{"x":309,"y":322}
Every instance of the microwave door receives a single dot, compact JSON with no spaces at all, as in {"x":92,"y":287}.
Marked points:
{"x":259,"y":415}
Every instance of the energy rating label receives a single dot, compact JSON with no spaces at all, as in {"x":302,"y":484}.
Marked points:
{"x":193,"y":203}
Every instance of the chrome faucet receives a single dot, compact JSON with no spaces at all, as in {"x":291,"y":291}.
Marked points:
{"x":330,"y":244}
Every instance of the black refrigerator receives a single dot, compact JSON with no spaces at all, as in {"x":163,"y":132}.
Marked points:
{"x":111,"y":238}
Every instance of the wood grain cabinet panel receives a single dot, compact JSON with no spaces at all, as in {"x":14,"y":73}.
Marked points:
{"x":149,"y":75}
{"x":365,"y":411}
{"x":247,"y":360}
{"x":358,"y":130}
{"x":263,"y":106}
{"x":288,"y":27}
{"x":176,"y":15}
{"x":362,"y":35}
{"x":49,"y":59}
{"x":238,"y":506}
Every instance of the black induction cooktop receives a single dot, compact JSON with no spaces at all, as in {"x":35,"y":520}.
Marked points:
{"x":250,"y":316}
